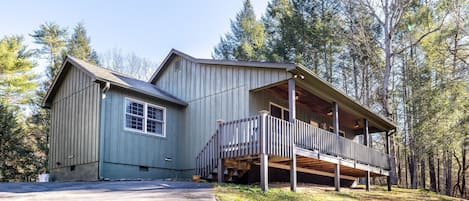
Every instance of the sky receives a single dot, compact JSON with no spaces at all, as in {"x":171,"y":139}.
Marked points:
{"x":148,"y":28}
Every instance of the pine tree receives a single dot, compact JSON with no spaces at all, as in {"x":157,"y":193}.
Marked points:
{"x":16,"y":78}
{"x":14,"y":155}
{"x":53,"y":39}
{"x":79,"y":45}
{"x":246,"y":39}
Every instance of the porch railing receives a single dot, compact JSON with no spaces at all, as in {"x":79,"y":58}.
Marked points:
{"x":242,"y":138}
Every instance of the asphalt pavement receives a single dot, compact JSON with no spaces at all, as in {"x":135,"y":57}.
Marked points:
{"x":108,"y":190}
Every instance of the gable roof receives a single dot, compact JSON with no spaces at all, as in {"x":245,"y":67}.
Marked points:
{"x":253,"y":64}
{"x":99,"y":74}
{"x":290,"y":67}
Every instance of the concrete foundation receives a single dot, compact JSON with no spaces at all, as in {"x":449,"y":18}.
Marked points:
{"x":83,"y":172}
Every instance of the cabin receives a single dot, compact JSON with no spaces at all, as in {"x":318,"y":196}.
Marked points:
{"x":226,"y":121}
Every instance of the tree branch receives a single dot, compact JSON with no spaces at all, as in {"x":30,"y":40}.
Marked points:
{"x":420,"y":38}
{"x":367,"y":4}
{"x":400,"y":12}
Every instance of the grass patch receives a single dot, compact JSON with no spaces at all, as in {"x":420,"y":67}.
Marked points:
{"x":231,"y":192}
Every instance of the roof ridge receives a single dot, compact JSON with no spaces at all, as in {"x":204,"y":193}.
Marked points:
{"x":243,"y":63}
{"x":105,"y":68}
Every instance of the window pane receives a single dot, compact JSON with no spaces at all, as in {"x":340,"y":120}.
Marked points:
{"x":286,"y":115}
{"x":133,"y":122}
{"x":275,"y":111}
{"x":155,"y":113}
{"x":134,"y":108}
{"x":154,"y":127}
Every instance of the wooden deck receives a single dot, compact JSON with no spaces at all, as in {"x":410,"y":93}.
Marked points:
{"x":265,"y":138}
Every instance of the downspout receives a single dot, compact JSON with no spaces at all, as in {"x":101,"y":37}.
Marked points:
{"x":102,"y":113}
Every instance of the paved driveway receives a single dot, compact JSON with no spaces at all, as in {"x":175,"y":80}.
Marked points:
{"x":116,"y":190}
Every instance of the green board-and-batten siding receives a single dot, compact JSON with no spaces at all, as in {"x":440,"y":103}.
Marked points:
{"x":74,"y":132}
{"x":212,"y":92}
{"x":125,"y":151}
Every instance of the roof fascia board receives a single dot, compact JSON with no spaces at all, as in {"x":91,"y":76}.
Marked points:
{"x":59,"y":76}
{"x":354,"y":104}
{"x":174,"y":52}
{"x":166,"y":60}
{"x":175,"y":101}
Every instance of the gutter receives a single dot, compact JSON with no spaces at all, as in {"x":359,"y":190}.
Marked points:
{"x":171,"y":100}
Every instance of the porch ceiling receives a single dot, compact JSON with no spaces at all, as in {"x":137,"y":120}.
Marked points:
{"x":326,"y":91}
{"x":321,"y":107}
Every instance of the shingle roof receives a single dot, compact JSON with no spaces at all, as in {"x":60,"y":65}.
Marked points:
{"x":254,"y":64}
{"x":114,"y":78}
{"x":290,"y":67}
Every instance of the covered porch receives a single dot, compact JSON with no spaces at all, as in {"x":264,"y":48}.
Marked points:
{"x":281,"y":136}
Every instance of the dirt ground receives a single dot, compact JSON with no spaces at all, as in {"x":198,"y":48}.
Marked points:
{"x":107,"y":190}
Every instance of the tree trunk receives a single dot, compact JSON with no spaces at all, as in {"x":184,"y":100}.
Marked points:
{"x":422,"y":173}
{"x":438,"y":189}
{"x":431,"y":172}
{"x":398,"y":165}
{"x":355,"y":79}
{"x":449,"y":173}
{"x":463,"y":183}
{"x":412,"y":170}
{"x":387,"y":56}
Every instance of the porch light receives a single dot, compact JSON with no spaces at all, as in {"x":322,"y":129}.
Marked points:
{"x":329,"y":113}
{"x":356,"y":124}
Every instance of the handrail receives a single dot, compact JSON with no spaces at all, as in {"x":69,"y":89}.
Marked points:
{"x":241,"y":138}
{"x":309,"y":137}
{"x":207,"y":158}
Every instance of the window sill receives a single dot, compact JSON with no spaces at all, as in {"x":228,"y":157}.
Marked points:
{"x":137,"y":132}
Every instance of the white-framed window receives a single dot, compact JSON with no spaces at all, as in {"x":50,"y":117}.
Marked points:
{"x":341,"y":132}
{"x":144,"y":117}
{"x":279,"y":111}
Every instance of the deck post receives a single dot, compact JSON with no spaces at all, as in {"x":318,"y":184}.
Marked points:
{"x":291,"y":100}
{"x":366,"y":138}
{"x":264,"y":158}
{"x":388,"y":151}
{"x":293,"y":171}
{"x":335,"y":109}
{"x":220,"y":162}
{"x":291,"y":118}
{"x":220,"y":171}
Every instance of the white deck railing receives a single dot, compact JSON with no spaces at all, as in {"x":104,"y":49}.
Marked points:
{"x":241,"y":138}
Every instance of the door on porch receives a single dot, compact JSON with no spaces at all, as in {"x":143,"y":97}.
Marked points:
{"x":279,"y":111}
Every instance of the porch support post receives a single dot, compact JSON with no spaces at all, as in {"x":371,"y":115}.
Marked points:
{"x":335,"y":108}
{"x":293,"y":170}
{"x":264,"y":157}
{"x":388,"y":152}
{"x":292,"y":117}
{"x":291,"y":100}
{"x":366,"y":138}
{"x":220,"y":162}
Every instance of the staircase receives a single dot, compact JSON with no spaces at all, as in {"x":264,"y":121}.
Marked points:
{"x":233,"y":145}
{"x":207,"y":163}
